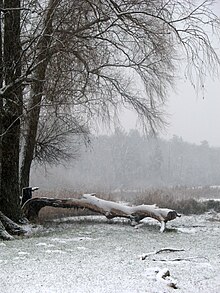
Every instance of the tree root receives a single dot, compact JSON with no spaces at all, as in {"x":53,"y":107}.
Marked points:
{"x":4,"y":235}
{"x":9,"y":228}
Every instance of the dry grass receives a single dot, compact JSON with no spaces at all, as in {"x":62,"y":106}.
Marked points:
{"x":183,"y":200}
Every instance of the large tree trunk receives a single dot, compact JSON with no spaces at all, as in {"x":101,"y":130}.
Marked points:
{"x":107,"y":208}
{"x":10,"y":201}
{"x":1,"y":100}
{"x":36,"y":95}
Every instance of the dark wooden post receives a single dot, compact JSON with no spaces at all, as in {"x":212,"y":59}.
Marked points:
{"x":26,"y":194}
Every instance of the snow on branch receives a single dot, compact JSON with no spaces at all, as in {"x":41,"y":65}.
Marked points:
{"x":109,"y":209}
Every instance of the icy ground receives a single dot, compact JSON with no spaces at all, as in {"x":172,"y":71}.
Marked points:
{"x":91,"y":255}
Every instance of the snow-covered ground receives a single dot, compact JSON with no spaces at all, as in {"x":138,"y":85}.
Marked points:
{"x":89,"y":254}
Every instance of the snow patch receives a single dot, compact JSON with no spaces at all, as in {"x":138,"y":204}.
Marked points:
{"x":187,"y":230}
{"x":81,"y":248}
{"x":55,"y":251}
{"x":44,"y":244}
{"x":23,"y":253}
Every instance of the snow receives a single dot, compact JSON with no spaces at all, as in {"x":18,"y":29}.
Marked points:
{"x":89,"y":254}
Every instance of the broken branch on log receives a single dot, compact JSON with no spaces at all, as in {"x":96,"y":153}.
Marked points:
{"x":109,"y":209}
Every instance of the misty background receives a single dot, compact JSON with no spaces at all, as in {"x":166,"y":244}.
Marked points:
{"x":128,"y":161}
{"x":185,"y":153}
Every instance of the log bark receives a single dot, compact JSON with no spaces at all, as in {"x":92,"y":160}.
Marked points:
{"x":109,"y":209}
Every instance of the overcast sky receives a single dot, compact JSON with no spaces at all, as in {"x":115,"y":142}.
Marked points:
{"x":192,"y":116}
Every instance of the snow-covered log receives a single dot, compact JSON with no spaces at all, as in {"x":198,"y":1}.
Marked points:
{"x":109,"y":209}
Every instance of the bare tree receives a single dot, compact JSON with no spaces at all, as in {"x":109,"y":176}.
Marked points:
{"x":91,"y":57}
{"x":100,"y":55}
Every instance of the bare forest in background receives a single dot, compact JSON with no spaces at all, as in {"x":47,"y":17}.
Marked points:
{"x":127,"y":162}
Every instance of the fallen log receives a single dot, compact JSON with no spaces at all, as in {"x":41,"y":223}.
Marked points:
{"x":109,"y":209}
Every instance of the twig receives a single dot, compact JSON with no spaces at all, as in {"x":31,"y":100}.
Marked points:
{"x":159,"y":251}
{"x":181,"y":259}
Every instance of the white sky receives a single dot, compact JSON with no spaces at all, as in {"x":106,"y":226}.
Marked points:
{"x":191,"y":116}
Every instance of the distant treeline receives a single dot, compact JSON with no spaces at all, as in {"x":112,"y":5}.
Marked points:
{"x":131,"y":161}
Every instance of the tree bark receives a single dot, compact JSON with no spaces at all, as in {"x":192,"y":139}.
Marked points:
{"x":107,"y":208}
{"x":36,"y":94}
{"x":11,"y":111}
{"x":1,"y":100}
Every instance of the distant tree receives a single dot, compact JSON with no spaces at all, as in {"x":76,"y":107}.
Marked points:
{"x":130,"y":161}
{"x":155,"y":164}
